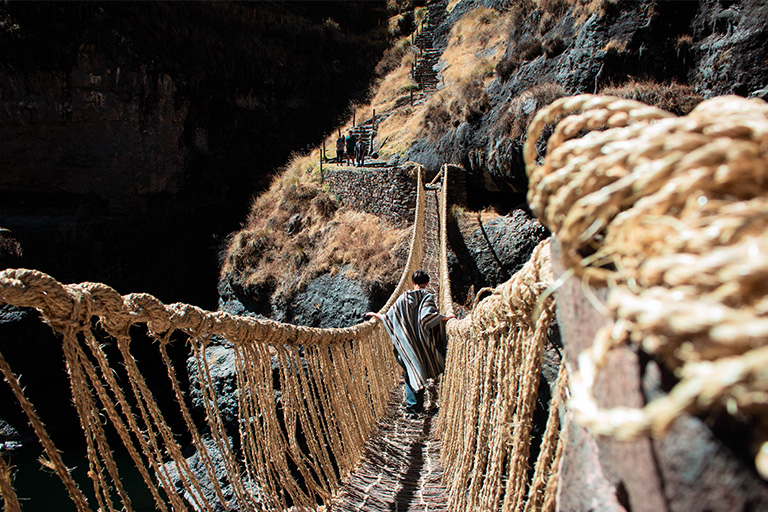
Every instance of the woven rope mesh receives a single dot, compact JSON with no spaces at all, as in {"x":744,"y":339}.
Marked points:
{"x":669,"y":213}
{"x":488,"y":397}
{"x":333,"y":385}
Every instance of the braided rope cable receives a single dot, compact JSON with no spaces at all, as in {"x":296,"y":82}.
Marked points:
{"x":671,"y":214}
{"x":416,"y":252}
{"x":489,"y":391}
{"x":336,"y":401}
{"x":545,"y":476}
{"x":446,"y":299}
{"x":10,"y":500}
{"x":58,"y":303}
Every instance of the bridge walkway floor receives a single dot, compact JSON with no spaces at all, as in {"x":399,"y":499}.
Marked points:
{"x":400,"y":470}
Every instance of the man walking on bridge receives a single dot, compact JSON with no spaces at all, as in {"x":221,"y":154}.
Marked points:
{"x":417,"y":330}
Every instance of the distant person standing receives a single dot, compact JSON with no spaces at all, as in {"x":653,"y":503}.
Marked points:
{"x":339,"y":149}
{"x":351,"y":141}
{"x":360,"y":152}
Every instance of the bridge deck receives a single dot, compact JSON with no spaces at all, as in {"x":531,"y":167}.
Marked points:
{"x":401,"y":469}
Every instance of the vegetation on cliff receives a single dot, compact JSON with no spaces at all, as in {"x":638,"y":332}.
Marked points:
{"x":297,"y":231}
{"x":502,"y":62}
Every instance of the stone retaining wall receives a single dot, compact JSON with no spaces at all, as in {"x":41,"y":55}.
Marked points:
{"x":388,"y":192}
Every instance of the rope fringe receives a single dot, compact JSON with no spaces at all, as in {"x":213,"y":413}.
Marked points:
{"x":334,"y":385}
{"x":489,"y":395}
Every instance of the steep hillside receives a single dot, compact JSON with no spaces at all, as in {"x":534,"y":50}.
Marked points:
{"x":499,"y":63}
{"x":658,"y":52}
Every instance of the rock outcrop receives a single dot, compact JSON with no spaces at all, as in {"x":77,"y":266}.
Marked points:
{"x":563,"y":48}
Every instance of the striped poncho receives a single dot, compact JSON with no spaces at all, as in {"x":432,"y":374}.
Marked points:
{"x":418,"y":336}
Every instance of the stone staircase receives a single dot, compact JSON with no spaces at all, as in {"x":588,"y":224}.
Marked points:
{"x":424,"y":72}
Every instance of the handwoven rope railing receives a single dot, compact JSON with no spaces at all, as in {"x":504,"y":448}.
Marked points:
{"x":446,"y":298}
{"x":333,"y":386}
{"x":488,"y":396}
{"x":671,"y":214}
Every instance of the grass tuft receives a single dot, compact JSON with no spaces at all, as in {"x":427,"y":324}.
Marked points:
{"x":672,"y":97}
{"x":297,"y":230}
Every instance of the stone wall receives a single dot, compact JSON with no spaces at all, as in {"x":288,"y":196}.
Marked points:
{"x":388,"y":192}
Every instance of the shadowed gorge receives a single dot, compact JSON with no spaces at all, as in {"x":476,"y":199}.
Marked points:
{"x":129,"y":124}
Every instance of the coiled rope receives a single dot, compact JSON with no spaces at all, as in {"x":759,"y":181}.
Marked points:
{"x":670,"y":213}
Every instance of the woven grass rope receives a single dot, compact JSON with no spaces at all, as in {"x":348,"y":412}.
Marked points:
{"x":670,"y":214}
{"x":334,"y":385}
{"x":488,"y":397}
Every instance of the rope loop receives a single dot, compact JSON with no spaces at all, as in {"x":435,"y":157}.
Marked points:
{"x":671,"y":215}
{"x":106,"y":303}
{"x":148,"y":309}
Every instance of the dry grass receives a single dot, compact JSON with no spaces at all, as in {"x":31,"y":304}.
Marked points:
{"x":675,"y":98}
{"x":476,"y":44}
{"x":396,"y":83}
{"x":365,"y":243}
{"x":684,"y":42}
{"x":393,"y":57}
{"x":555,"y":8}
{"x":552,"y":11}
{"x":297,"y":231}
{"x":615,"y":47}
{"x":587,"y":8}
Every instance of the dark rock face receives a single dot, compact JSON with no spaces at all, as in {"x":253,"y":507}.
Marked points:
{"x":197,"y":466}
{"x":107,"y":131}
{"x":730,"y":48}
{"x":221,"y":364}
{"x":34,"y":354}
{"x":328,"y":301}
{"x":715,"y":47}
{"x":493,"y":252}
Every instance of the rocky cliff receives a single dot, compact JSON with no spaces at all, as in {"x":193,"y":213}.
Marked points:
{"x":133,"y":135}
{"x":671,"y":54}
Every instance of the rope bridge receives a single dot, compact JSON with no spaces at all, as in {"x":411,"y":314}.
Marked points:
{"x":610,"y":196}
{"x":334,"y":385}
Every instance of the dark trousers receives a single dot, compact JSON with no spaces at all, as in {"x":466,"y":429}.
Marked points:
{"x":414,"y":400}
